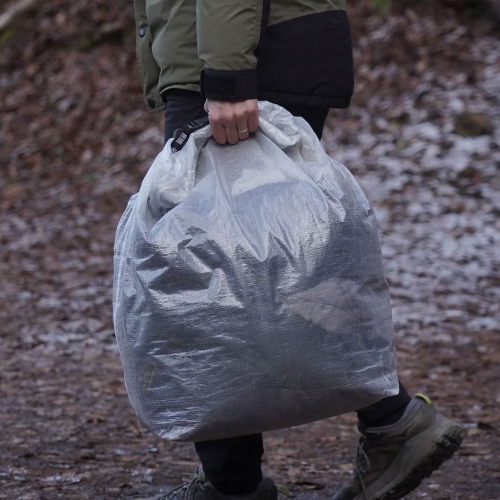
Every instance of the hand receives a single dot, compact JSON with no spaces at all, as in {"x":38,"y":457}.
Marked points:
{"x":232,"y":121}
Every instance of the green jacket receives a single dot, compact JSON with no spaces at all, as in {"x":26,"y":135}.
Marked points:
{"x":281,"y":50}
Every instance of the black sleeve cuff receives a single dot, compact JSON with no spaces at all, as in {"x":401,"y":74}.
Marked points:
{"x":228,"y":85}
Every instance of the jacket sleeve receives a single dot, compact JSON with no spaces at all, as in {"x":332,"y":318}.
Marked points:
{"x":229,"y":34}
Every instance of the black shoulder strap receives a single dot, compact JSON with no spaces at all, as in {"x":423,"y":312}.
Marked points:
{"x":181,"y":135}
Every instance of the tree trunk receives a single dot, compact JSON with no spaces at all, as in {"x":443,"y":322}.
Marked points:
{"x":15,"y":11}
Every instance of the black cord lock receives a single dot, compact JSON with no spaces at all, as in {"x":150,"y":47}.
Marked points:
{"x":181,"y":135}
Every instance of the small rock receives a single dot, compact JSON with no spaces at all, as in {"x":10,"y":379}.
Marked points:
{"x":469,"y":172}
{"x":87,"y":454}
{"x":473,"y":124}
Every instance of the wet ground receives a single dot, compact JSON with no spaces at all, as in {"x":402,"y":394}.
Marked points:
{"x":422,"y":138}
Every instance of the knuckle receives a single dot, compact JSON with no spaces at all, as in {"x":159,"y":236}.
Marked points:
{"x":214,"y":118}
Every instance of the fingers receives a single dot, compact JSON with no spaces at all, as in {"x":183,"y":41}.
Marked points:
{"x":219,"y":132}
{"x":253,"y":115}
{"x":231,"y":132}
{"x":232,"y":121}
{"x":242,"y":126}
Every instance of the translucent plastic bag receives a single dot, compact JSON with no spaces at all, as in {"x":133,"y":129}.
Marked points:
{"x":249,"y":292}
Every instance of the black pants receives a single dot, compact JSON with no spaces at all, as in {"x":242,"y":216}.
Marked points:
{"x":233,"y":465}
{"x":184,"y":106}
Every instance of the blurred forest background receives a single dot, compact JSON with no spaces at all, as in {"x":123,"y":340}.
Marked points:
{"x":422,"y":137}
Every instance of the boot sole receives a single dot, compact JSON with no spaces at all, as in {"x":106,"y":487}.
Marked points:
{"x":443,"y":450}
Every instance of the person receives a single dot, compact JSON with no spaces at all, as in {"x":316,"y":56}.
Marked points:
{"x":219,"y":57}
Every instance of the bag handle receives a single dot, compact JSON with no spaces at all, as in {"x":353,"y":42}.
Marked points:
{"x":181,"y":135}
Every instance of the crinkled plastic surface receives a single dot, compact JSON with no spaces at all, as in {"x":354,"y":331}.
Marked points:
{"x":249,"y":292}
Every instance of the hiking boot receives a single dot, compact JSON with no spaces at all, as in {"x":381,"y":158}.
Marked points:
{"x":392,"y":460}
{"x":199,"y":488}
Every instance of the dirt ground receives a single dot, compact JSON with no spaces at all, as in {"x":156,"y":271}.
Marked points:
{"x":69,"y":431}
{"x":75,"y":141}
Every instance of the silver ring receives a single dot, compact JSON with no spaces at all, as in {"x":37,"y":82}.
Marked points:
{"x":244,"y":131}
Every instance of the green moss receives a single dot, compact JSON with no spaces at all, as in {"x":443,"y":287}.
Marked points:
{"x":381,"y":5}
{"x":85,"y":44}
{"x":6,"y":35}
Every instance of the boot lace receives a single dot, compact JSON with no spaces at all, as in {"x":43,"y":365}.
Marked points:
{"x":187,"y":489}
{"x":362,"y":465}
